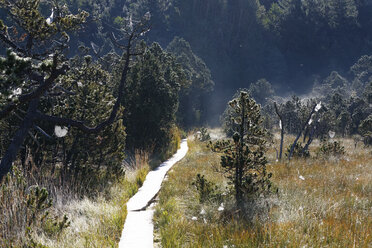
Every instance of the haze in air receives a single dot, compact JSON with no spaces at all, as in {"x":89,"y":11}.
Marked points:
{"x":268,"y":103}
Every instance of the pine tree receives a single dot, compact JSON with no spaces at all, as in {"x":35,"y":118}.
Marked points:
{"x":244,"y":157}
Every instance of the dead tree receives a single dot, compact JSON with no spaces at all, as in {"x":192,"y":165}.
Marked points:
{"x":310,"y":140}
{"x":281,"y":130}
{"x":313,"y":110}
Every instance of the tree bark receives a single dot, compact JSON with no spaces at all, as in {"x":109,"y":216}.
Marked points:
{"x":18,"y":139}
{"x":310,"y":140}
{"x":239,"y":169}
{"x":281,"y":131}
{"x":299,"y":135}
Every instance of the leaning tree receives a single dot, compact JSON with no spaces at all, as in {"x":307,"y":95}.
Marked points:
{"x":36,"y":60}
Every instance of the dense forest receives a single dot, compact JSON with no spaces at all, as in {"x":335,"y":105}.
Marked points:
{"x":107,"y":88}
{"x":290,"y":43}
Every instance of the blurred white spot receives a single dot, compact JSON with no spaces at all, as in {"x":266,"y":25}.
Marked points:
{"x":50,"y":19}
{"x":310,"y":121}
{"x":17,"y":91}
{"x":147,"y":16}
{"x":130,"y":25}
{"x":301,"y":177}
{"x":80,"y":84}
{"x":318,"y":106}
{"x":194,"y":218}
{"x":60,"y":131}
{"x":280,"y":124}
{"x":331,"y":134}
{"x":221,"y":207}
{"x":202,"y":212}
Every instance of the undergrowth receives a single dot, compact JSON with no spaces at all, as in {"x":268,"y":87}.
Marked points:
{"x":47,"y":207}
{"x":31,"y":217}
{"x":321,"y":203}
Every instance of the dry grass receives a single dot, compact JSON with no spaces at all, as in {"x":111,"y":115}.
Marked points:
{"x":331,"y":207}
{"x":95,"y":220}
{"x":99,"y":222}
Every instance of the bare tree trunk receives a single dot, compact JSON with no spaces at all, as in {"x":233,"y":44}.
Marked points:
{"x":310,"y":140}
{"x":18,"y":139}
{"x":281,"y":131}
{"x":239,"y":169}
{"x":299,"y":135}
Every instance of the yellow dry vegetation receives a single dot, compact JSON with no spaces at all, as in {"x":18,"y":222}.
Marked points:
{"x":321,"y":203}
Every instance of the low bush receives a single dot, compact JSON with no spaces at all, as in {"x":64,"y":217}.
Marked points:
{"x":207,"y":190}
{"x":328,"y":149}
{"x":298,"y":151}
{"x":25,"y":209}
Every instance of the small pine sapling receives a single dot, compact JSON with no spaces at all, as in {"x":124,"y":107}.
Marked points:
{"x":243,"y":158}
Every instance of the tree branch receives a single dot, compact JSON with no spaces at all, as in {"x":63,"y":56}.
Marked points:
{"x":44,"y":85}
{"x":80,"y":124}
{"x":299,"y":135}
{"x":11,"y":44}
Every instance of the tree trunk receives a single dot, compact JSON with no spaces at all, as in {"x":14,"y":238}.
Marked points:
{"x":301,"y":131}
{"x":281,"y":131}
{"x":310,"y":140}
{"x":239,"y":171}
{"x":18,"y":139}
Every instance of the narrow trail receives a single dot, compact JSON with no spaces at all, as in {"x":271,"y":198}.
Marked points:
{"x":138,"y":228}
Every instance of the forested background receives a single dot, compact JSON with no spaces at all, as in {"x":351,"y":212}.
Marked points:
{"x":291,"y":43}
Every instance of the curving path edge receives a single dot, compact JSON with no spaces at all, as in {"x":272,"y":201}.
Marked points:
{"x":138,"y":227}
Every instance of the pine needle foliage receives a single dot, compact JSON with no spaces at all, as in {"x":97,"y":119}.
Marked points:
{"x":243,"y":157}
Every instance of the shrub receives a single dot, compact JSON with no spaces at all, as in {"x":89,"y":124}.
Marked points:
{"x":330,"y":149}
{"x":365,"y":128}
{"x":24,"y":210}
{"x":207,"y":190}
{"x":202,"y":135}
{"x":298,"y":151}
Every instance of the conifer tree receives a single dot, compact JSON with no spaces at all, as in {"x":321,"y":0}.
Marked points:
{"x":243,"y":157}
{"x":37,"y":49}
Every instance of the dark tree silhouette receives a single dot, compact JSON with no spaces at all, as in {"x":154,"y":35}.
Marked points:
{"x":37,"y":58}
